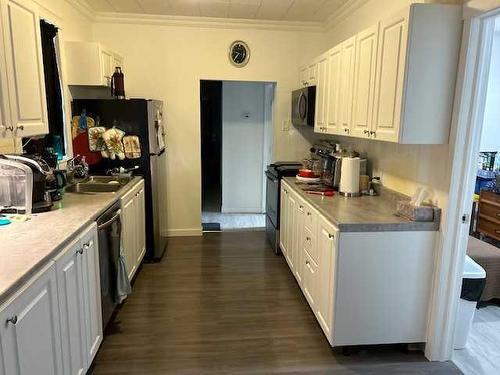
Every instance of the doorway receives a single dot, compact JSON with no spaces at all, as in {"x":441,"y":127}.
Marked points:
{"x":236,"y":145}
{"x":477,"y":330}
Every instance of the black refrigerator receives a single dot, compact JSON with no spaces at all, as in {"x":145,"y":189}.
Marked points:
{"x":143,"y":118}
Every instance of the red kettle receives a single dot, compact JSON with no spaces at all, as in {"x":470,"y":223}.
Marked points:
{"x":118,"y":84}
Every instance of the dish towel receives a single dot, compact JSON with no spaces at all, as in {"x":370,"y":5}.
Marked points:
{"x":123,"y":287}
{"x":132,"y":146}
{"x":113,"y":139}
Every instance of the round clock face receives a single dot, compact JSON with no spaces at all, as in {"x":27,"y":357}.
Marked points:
{"x":239,"y":53}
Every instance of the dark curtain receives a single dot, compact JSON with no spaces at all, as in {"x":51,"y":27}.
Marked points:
{"x":55,"y":138}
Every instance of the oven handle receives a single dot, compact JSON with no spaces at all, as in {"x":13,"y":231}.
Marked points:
{"x":110,"y":221}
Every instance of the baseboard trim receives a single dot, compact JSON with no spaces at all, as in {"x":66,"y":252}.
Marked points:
{"x":236,"y":210}
{"x":189,"y":232}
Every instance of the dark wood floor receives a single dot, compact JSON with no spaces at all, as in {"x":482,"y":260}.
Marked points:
{"x":225,"y":304}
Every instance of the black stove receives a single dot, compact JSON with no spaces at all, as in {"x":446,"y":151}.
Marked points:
{"x":274,"y":173}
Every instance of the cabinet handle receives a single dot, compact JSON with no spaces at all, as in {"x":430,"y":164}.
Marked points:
{"x":12,"y":320}
{"x":331,"y":236}
{"x":308,"y":214}
{"x":301,"y":207}
{"x":87,"y":245}
{"x":11,"y":128}
{"x":308,"y":238}
{"x":20,"y":127}
{"x":79,"y":251}
{"x":373,"y":133}
{"x":307,"y":262}
{"x":366,"y":132}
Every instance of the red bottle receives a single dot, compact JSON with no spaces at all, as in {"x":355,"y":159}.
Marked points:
{"x":118,"y":84}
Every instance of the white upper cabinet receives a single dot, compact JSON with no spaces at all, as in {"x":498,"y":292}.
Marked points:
{"x":23,"y":69}
{"x":390,"y":77}
{"x":90,"y":63}
{"x":321,"y":94}
{"x":386,"y":88}
{"x":347,"y":84}
{"x":4,"y":93}
{"x":364,"y":81}
{"x":333,"y":90}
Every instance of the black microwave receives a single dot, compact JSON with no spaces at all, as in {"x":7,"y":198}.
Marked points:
{"x":303,"y":106}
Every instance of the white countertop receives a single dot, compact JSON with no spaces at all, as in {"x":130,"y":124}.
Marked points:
{"x":26,"y":247}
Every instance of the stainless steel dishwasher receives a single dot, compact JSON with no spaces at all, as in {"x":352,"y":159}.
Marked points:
{"x":109,"y":234}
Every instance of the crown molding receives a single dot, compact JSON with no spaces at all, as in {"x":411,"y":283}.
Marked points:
{"x":207,"y":22}
{"x":83,"y":8}
{"x":348,"y":8}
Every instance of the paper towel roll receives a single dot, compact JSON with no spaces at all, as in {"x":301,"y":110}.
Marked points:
{"x":349,"y":176}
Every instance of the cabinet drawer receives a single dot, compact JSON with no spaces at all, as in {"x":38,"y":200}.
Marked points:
{"x":490,"y":211}
{"x":310,"y":244}
{"x":311,"y":218}
{"x":490,"y":197}
{"x":310,"y":280}
{"x":489,"y":228}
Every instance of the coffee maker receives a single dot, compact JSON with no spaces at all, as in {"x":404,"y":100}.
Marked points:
{"x":331,"y":162}
{"x":35,"y":184}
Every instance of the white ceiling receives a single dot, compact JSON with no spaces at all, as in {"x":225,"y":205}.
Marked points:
{"x":282,"y":10}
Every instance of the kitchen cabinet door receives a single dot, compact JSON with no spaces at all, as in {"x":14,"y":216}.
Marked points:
{"x":5,"y":119}
{"x":327,"y":250}
{"x":347,"y":84}
{"x":321,"y":89}
{"x":106,"y":66}
{"x":310,"y":284}
{"x":141,"y":225}
{"x":23,"y":60}
{"x":333,"y":90}
{"x":364,"y":81}
{"x":283,"y":218}
{"x":92,"y":293}
{"x":303,"y":76}
{"x":72,"y":308}
{"x":291,"y":253}
{"x":129,"y":222}
{"x":389,"y":79}
{"x":300,"y":238}
{"x":312,"y":70}
{"x":30,"y":329}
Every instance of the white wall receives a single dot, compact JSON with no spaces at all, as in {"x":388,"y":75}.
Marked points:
{"x":242,"y":146}
{"x":167,"y":62}
{"x":490,"y":137}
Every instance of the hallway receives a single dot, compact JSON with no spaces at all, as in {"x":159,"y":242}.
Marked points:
{"x":225,"y":304}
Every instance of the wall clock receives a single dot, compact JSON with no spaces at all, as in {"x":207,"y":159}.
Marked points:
{"x":239,"y":53}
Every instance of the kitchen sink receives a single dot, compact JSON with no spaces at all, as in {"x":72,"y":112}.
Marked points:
{"x":99,"y":184}
{"x":86,"y":187}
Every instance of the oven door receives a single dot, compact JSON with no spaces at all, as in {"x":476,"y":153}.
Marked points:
{"x":272,"y":198}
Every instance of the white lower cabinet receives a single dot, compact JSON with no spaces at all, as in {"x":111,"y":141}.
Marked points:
{"x":53,"y":325}
{"x":363,"y":287}
{"x":30,"y":328}
{"x":133,"y":228}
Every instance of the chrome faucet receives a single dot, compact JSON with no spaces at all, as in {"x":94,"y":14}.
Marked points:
{"x":77,"y":168}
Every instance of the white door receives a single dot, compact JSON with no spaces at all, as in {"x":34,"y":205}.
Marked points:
{"x":389,"y":80}
{"x":303,"y":76}
{"x":30,"y":331}
{"x":299,"y":230}
{"x":92,"y":293}
{"x":283,"y":219}
{"x":107,"y":67}
{"x":312,"y":72}
{"x":333,"y":91}
{"x":25,"y":76}
{"x":326,"y":273}
{"x":321,"y":85}
{"x":347,"y":84}
{"x":310,"y":280}
{"x":141,"y":225}
{"x":72,"y":308}
{"x":129,"y":221}
{"x":5,"y":119}
{"x":364,"y":81}
{"x":291,"y":234}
